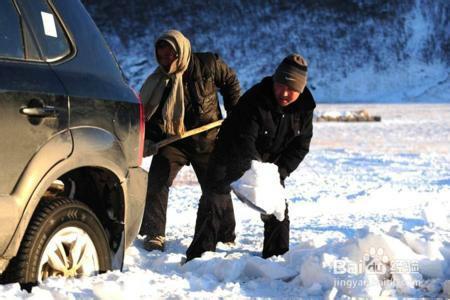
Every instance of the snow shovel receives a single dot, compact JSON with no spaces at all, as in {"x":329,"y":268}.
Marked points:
{"x":248,"y":202}
{"x":152,"y":149}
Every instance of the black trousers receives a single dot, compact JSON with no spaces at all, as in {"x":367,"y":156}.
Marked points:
{"x":276,"y":235}
{"x":217,"y":202}
{"x":164,"y":168}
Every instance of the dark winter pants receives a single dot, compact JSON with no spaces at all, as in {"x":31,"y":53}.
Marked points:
{"x":276,"y":235}
{"x":164,"y":167}
{"x":217,"y":202}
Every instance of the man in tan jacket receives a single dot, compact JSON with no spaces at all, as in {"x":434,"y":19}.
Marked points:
{"x":181,"y":95}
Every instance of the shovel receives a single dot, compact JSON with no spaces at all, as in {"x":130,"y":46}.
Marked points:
{"x":246,"y":201}
{"x":152,"y":149}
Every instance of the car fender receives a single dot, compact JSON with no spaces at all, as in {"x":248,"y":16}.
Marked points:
{"x":12,"y":207}
{"x":92,"y":147}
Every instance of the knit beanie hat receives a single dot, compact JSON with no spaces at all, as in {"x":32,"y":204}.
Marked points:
{"x":292,"y":72}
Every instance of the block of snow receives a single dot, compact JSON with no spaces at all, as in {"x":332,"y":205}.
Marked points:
{"x":260,"y":188}
{"x":407,"y":266}
{"x":311,"y":272}
{"x":258,"y":267}
{"x":108,"y":290}
{"x":386,"y":249}
{"x":315,"y":289}
{"x":331,"y":294}
{"x":432,"y":268}
{"x":227,"y":270}
{"x":407,"y":283}
{"x":446,"y":288}
{"x":433,"y":286}
{"x":360,"y":285}
{"x":436,"y":216}
{"x":418,"y":244}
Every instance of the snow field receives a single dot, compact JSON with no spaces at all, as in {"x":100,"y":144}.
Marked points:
{"x":369,"y":211}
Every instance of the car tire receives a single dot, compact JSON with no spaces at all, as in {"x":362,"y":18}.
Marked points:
{"x":64,"y":238}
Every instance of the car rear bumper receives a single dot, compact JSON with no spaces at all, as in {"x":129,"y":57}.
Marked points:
{"x":134,"y":208}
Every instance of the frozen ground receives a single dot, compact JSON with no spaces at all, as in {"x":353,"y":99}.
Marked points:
{"x":370,"y":215}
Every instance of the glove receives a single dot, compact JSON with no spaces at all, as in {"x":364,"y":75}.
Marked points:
{"x":150,"y":148}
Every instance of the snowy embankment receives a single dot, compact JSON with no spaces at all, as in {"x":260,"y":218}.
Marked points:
{"x":369,"y":211}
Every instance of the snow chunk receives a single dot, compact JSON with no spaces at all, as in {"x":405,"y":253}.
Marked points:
{"x":374,"y":263}
{"x":232,"y":267}
{"x":436,"y":216}
{"x":258,"y":267}
{"x":446,"y":288}
{"x":217,"y":267}
{"x":108,"y":290}
{"x":260,"y":188}
{"x":229,"y":269}
{"x":312,"y":273}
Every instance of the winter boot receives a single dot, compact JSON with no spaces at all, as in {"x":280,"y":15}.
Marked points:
{"x":229,"y":244}
{"x":154,"y":243}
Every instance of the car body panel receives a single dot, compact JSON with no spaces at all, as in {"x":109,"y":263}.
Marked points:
{"x":94,"y":147}
{"x":134,"y":210}
{"x":25,"y":85}
{"x":13,"y":207}
{"x":99,"y":93}
{"x":96,"y":125}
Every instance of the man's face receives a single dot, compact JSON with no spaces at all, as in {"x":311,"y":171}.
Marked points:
{"x":284,"y":94}
{"x":165,"y":55}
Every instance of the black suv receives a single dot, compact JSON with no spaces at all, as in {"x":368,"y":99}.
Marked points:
{"x":72,"y":193}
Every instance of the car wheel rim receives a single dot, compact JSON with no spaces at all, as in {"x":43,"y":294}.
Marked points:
{"x":69,"y":253}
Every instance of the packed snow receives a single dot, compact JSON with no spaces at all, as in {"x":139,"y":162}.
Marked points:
{"x":260,"y":188}
{"x":369,"y":210}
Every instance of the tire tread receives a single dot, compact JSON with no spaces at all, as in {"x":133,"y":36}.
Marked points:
{"x":15,"y":272}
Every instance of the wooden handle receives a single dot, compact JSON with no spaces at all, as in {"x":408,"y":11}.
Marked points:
{"x":188,"y":133}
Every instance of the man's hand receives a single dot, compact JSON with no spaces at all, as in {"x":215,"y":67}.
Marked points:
{"x":283,"y":174}
{"x":150,"y":148}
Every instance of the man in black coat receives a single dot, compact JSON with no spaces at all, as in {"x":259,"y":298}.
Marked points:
{"x":271,"y":123}
{"x":181,"y":95}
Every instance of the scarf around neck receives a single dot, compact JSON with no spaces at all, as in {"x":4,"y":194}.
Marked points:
{"x":153,"y":88}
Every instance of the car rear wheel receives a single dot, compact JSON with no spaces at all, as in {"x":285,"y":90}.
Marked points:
{"x":63,"y":239}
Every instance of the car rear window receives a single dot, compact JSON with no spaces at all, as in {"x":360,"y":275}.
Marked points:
{"x":46,"y":27}
{"x":11,"y":43}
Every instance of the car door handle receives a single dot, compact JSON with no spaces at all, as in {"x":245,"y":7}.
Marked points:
{"x":40,"y":112}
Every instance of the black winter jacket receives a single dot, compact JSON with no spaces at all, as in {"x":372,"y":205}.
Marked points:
{"x":206,"y":73}
{"x":260,"y":129}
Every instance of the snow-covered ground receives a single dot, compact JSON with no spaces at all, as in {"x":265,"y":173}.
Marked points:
{"x":369,"y":210}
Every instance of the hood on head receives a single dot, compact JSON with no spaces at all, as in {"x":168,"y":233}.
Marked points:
{"x":181,"y":45}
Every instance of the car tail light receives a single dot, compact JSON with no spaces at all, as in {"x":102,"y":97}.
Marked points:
{"x":141,"y":129}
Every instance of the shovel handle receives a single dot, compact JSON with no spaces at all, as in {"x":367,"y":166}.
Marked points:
{"x":154,"y":147}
